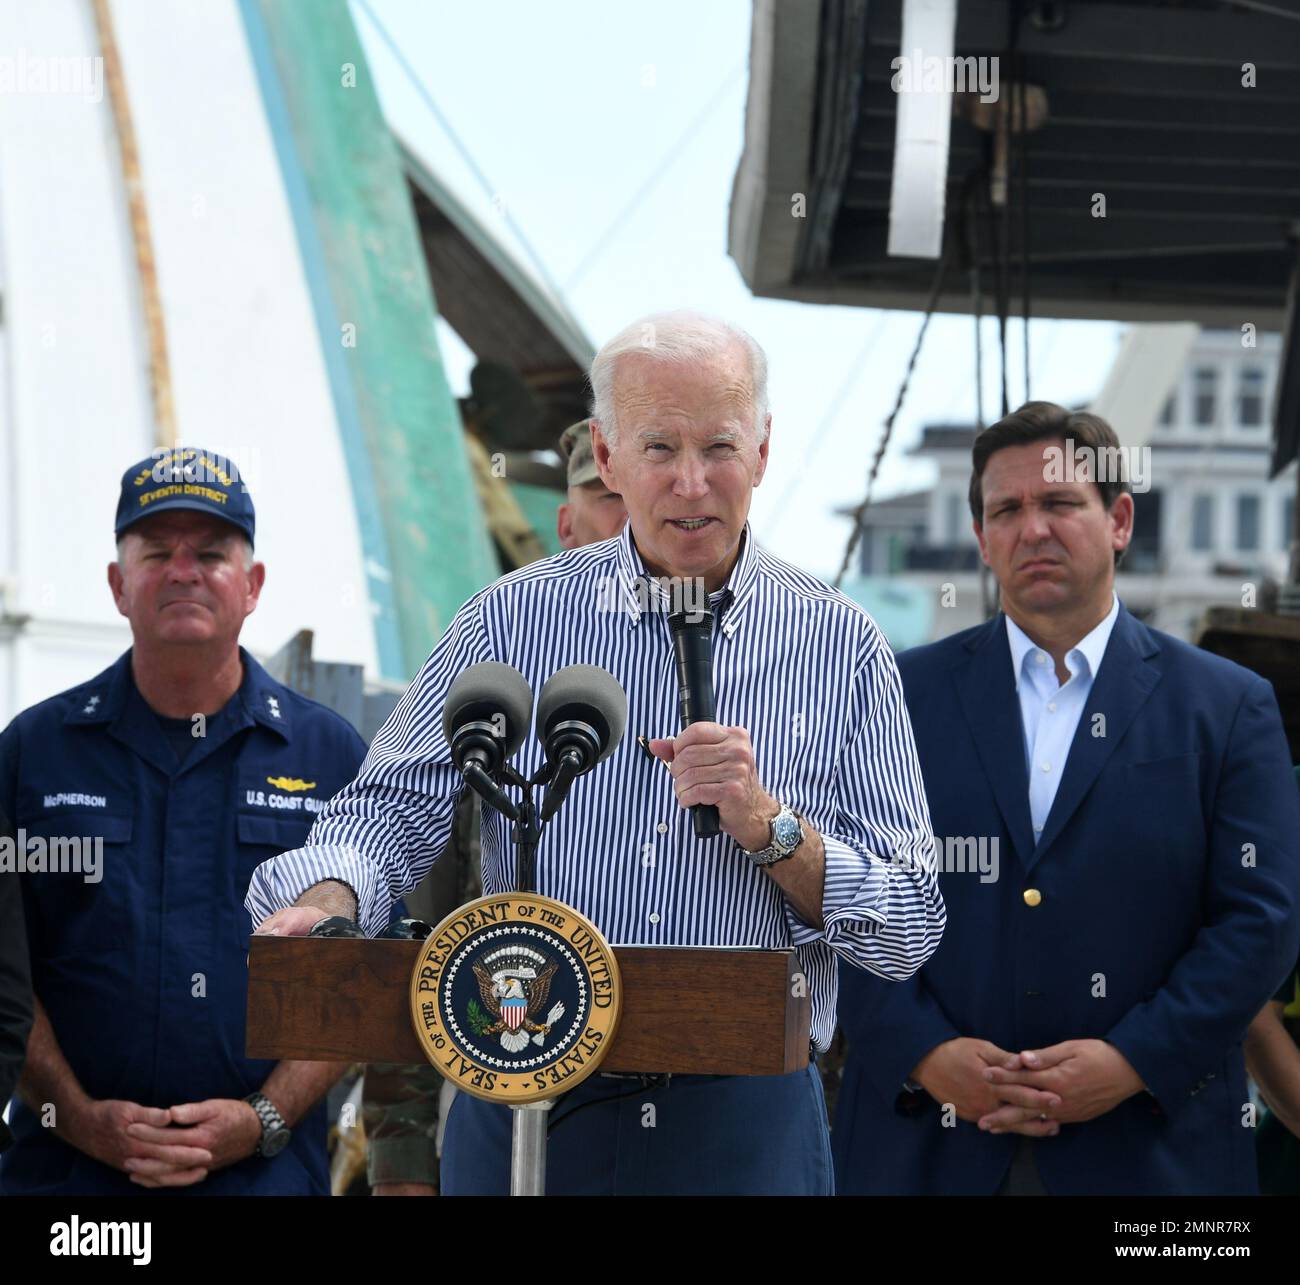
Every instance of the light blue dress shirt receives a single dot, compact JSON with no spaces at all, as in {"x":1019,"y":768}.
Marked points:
{"x":1049,"y":709}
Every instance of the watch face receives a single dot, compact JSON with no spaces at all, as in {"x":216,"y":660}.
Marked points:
{"x":786,"y":831}
{"x":275,"y":1142}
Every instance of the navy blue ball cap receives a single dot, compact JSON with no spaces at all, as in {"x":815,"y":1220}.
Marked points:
{"x":185,"y":477}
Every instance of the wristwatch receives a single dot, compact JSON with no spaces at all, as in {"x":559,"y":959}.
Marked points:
{"x":275,"y":1133}
{"x":787,"y":835}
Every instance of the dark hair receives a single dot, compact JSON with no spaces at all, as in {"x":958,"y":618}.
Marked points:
{"x":1037,"y":422}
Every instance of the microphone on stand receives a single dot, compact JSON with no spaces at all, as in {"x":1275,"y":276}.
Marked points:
{"x":692,"y":635}
{"x":485,"y":719}
{"x":581,"y":714}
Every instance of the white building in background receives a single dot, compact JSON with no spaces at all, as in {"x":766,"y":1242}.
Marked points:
{"x":233,"y":251}
{"x":1211,"y":529}
{"x":247,"y":371}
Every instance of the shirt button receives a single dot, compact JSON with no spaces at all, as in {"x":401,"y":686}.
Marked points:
{"x":662,"y":827}
{"x":1032,"y":896}
{"x":654,"y":916}
{"x":1047,"y":767}
{"x":1051,"y":707}
{"x":1040,"y":658}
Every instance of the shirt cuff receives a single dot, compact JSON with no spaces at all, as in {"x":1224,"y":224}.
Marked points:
{"x":853,"y":886}
{"x":278,"y":883}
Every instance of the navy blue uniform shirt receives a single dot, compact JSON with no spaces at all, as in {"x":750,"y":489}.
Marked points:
{"x":144,"y":973}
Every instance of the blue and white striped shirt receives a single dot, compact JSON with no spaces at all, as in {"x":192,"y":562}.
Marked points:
{"x":799,"y":665}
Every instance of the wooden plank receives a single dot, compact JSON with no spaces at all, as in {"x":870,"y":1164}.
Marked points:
{"x":1247,"y":624}
{"x":1264,"y":642}
{"x":717,"y":1011}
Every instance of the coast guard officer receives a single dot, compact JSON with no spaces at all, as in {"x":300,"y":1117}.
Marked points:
{"x":172,"y":775}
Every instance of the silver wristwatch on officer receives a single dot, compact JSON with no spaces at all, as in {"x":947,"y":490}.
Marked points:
{"x":786,"y":835}
{"x":275,"y":1132}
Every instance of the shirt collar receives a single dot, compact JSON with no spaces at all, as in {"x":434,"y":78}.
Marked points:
{"x":637,"y":586}
{"x":1092,"y":647}
{"x":103,"y":699}
{"x":264,"y":698}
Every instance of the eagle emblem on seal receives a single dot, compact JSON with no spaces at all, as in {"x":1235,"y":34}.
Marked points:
{"x":515,"y":982}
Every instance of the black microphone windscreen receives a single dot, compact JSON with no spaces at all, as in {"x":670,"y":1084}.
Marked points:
{"x":578,"y":692}
{"x":487,"y":691}
{"x":700,"y":618}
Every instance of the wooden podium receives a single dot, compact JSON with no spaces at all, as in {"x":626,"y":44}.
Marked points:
{"x":686,"y":1010}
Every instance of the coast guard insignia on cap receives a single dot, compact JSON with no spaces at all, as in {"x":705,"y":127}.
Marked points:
{"x":515,"y":998}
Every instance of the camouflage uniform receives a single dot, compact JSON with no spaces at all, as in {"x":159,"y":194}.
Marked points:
{"x":400,"y":1102}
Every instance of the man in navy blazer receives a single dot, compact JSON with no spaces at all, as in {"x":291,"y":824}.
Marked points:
{"x":1119,"y":842}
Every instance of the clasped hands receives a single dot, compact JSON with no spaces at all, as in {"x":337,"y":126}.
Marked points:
{"x":166,"y":1147}
{"x":1033,"y":1092}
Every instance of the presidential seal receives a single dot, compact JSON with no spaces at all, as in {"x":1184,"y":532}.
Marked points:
{"x":515,"y":998}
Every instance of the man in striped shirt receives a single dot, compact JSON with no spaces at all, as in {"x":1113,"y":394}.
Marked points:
{"x":812,"y":724}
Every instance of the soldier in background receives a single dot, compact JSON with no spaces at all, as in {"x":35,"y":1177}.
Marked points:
{"x":592,"y":511}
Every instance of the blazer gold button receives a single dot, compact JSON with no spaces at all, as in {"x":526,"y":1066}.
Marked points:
{"x":1032,"y":896}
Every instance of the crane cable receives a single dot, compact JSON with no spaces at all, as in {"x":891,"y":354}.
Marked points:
{"x":936,"y":289}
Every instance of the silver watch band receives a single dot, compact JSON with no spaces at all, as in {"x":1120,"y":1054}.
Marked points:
{"x":268,"y":1115}
{"x":771,"y":854}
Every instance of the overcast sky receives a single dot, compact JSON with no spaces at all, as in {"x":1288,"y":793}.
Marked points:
{"x":576,"y":108}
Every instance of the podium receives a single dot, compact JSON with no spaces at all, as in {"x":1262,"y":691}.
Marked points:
{"x":685,"y":1010}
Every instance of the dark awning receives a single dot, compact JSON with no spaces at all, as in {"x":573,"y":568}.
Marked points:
{"x":1145,"y":104}
{"x":501,"y":313}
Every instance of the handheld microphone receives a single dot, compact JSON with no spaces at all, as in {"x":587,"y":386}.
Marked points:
{"x":581,"y":714}
{"x":692,"y":634}
{"x":485,"y":719}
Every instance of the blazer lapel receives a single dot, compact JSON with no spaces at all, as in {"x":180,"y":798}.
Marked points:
{"x":986,"y":689}
{"x":1123,"y":683}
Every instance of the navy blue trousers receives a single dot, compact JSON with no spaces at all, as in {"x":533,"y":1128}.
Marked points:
{"x":696,"y":1135}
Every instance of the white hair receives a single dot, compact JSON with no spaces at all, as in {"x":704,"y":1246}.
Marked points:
{"x":682,"y":337}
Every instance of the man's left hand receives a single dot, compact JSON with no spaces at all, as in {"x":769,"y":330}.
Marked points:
{"x":227,"y":1127}
{"x":1091,"y":1077}
{"x":714,"y":764}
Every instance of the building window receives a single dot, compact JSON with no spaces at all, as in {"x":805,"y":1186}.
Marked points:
{"x":1247,"y":522}
{"x":866,"y":552}
{"x":1288,"y":520}
{"x":1203,"y":523}
{"x":952,"y":518}
{"x":1167,"y":412}
{"x":1205,"y":397}
{"x":1250,"y":397}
